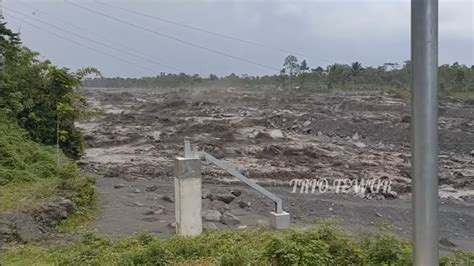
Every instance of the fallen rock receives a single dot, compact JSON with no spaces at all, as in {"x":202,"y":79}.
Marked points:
{"x":276,"y":134}
{"x":360,"y":145}
{"x":263,"y":135}
{"x":230,"y":219}
{"x":26,"y":230}
{"x":210,"y":226}
{"x":119,"y":186}
{"x":236,"y":192}
{"x":211,"y":215}
{"x":405,"y":119}
{"x":53,"y":213}
{"x":150,"y":219}
{"x":243,"y":205}
{"x":220,"y":206}
{"x":149,"y":212}
{"x":206,"y":193}
{"x":36,"y":224}
{"x":167,"y":199}
{"x":446,"y":242}
{"x":226,"y":198}
{"x":151,"y":188}
{"x":356,"y":136}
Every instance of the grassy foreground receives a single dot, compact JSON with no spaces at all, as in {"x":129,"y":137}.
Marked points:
{"x":30,"y":175}
{"x":323,"y":245}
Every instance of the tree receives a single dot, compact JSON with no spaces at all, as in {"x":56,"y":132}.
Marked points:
{"x":304,"y":66}
{"x":319,"y":69}
{"x":213,"y":77}
{"x":41,"y":97}
{"x":356,"y":67}
{"x":291,"y":65}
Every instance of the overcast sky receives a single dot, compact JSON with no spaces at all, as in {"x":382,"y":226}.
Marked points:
{"x":371,"y":32}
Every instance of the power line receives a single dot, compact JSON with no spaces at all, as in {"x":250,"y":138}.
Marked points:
{"x":285,"y":51}
{"x":87,"y":31}
{"x":92,"y":40}
{"x":80,"y":44}
{"x":35,"y":9}
{"x":173,"y":38}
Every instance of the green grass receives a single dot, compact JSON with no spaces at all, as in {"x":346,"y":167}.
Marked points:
{"x":30,"y":175}
{"x":322,"y":245}
{"x":27,"y":195}
{"x":79,"y":221}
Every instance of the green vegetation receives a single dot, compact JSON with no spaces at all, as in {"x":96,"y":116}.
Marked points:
{"x":323,"y":245}
{"x":454,"y":80}
{"x":38,"y":108}
{"x":79,"y":221}
{"x":41,"y":97}
{"x":30,"y":175}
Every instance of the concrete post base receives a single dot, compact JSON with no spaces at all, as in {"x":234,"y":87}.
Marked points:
{"x":279,"y":220}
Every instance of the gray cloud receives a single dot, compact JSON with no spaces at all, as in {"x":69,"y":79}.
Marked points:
{"x":369,"y":31}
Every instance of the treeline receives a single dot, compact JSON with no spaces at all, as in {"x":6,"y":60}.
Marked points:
{"x":454,"y":78}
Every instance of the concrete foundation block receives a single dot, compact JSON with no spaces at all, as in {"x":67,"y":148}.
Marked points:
{"x":279,"y":220}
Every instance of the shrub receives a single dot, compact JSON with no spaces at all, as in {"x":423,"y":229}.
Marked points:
{"x":316,"y":246}
{"x":28,"y":166}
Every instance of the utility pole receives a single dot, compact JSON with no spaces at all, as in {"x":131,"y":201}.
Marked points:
{"x":2,"y":58}
{"x":424,"y":126}
{"x":1,"y":11}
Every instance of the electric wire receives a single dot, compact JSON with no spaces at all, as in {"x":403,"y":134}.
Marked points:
{"x":285,"y":51}
{"x":37,"y":10}
{"x":93,"y":41}
{"x":79,"y":43}
{"x":172,"y":38}
{"x":95,"y":34}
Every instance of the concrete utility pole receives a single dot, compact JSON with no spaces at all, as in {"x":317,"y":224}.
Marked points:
{"x":1,"y":11}
{"x":424,"y":59}
{"x":2,"y":58}
{"x":188,"y":195}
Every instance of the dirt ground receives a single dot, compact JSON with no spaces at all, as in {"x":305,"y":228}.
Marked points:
{"x":272,"y":137}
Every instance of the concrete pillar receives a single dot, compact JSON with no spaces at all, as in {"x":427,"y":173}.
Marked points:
{"x":187,"y":192}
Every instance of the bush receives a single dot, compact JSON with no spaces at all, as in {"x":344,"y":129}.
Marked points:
{"x":21,"y":159}
{"x":28,"y":166}
{"x":324,"y":245}
{"x":41,"y":97}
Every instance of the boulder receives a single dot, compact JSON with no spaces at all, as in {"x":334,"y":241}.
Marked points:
{"x":211,"y":215}
{"x":226,"y":198}
{"x":167,"y":199}
{"x":119,"y":186}
{"x":276,"y":134}
{"x":236,"y":192}
{"x":230,"y":219}
{"x":206,"y":193}
{"x":360,"y":145}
